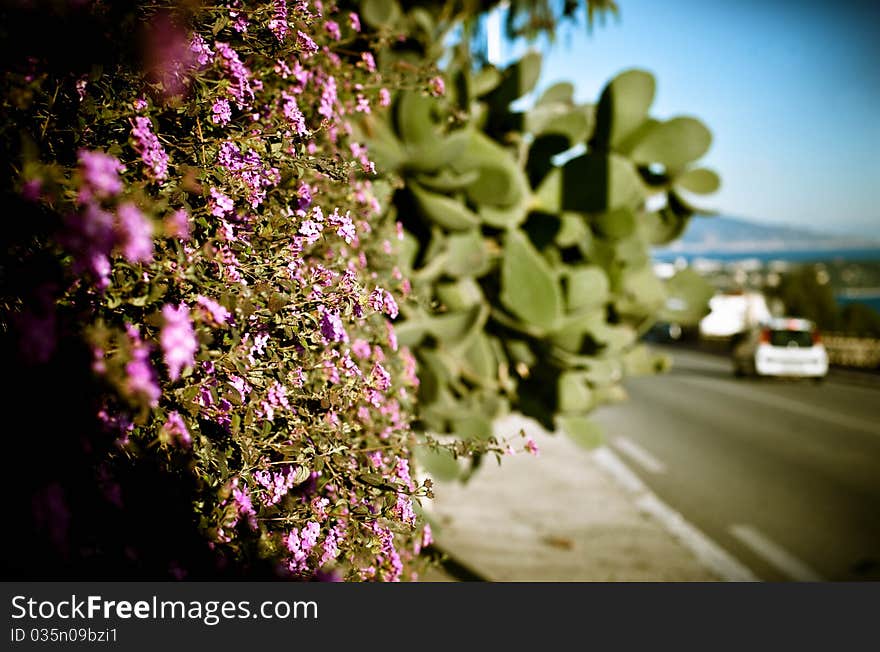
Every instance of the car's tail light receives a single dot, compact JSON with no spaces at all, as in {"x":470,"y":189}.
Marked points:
{"x":765,"y":336}
{"x":817,"y":338}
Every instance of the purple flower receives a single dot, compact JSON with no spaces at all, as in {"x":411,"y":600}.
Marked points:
{"x":311,"y":231}
{"x":381,"y":378}
{"x":293,"y":114}
{"x":304,"y":196}
{"x":404,"y":509}
{"x":331,"y":327}
{"x":305,"y":43}
{"x":200,"y":50}
{"x":220,"y":204}
{"x":100,"y":173}
{"x":384,"y":97}
{"x":328,"y":98}
{"x":532,"y":447}
{"x":221,"y":112}
{"x":240,"y":88}
{"x":140,"y":381}
{"x":381,"y":301}
{"x":438,"y":86}
{"x":218,"y":313}
{"x":179,"y":343}
{"x":361,"y":348}
{"x":344,"y":226}
{"x":369,"y":61}
{"x":332,"y":28}
{"x":278,"y":24}
{"x":241,"y":498}
{"x":135,"y":234}
{"x":177,"y":225}
{"x":174,"y":428}
{"x":355,"y":21}
{"x":148,"y":146}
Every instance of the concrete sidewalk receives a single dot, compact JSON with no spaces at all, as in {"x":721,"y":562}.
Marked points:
{"x":561,"y":516}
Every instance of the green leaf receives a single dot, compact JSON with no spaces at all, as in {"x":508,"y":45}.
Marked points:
{"x":414,"y":122}
{"x":673,"y":143}
{"x":518,"y":79}
{"x":595,"y":183}
{"x":463,"y":294}
{"x":561,"y":92}
{"x":472,"y":426}
{"x":494,"y":185}
{"x":617,"y":224}
{"x":444,"y":211}
{"x":439,"y":463}
{"x":485,"y":80}
{"x":573,"y":393}
{"x":529,"y":288}
{"x":380,"y":13}
{"x":572,"y":231}
{"x":581,"y":431}
{"x":699,"y":180}
{"x":467,"y":254}
{"x":623,"y":107}
{"x":448,"y":181}
{"x":480,"y":361}
{"x":587,"y":288}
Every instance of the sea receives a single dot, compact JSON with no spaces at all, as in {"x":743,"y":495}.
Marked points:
{"x":862,"y":254}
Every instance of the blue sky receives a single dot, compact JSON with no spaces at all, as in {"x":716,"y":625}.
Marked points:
{"x":790,"y":90}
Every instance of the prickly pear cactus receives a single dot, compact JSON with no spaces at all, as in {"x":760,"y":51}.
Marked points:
{"x":528,"y":240}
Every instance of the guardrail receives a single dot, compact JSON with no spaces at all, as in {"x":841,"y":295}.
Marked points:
{"x":851,"y":351}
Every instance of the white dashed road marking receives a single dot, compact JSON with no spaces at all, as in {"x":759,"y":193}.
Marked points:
{"x":638,"y":455}
{"x":774,"y":554}
{"x":707,"y":551}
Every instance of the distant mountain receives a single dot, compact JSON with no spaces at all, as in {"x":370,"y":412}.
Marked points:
{"x":720,"y":233}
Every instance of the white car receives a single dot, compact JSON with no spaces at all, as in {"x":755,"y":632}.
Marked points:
{"x":784,"y":346}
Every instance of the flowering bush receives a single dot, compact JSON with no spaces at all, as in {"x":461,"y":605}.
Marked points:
{"x":201,"y":285}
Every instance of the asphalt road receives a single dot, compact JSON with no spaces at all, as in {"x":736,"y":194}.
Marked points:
{"x":783,"y":474}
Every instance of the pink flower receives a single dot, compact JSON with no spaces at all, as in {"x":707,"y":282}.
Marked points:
{"x":278,"y":24}
{"x":369,"y":61}
{"x":438,"y":86}
{"x":306,"y":44}
{"x":381,"y":378}
{"x":381,"y":301}
{"x":384,"y":97}
{"x":202,"y":53}
{"x":177,"y":225}
{"x":221,"y":112}
{"x":361,"y":348}
{"x":100,"y":173}
{"x":135,"y":234}
{"x":220,"y":204}
{"x":179,"y":343}
{"x":355,"y":21}
{"x":214,"y":310}
{"x":175,"y":429}
{"x":332,"y":28}
{"x":532,"y":447}
{"x":404,"y":509}
{"x":148,"y":146}
{"x":140,"y":381}
{"x":332,"y":328}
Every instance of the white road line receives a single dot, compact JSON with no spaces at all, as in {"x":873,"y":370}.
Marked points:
{"x":804,"y":409}
{"x":638,"y":455}
{"x":704,"y":549}
{"x":774,"y":554}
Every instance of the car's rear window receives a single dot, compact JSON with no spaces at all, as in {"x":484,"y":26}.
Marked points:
{"x":791,"y":338}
